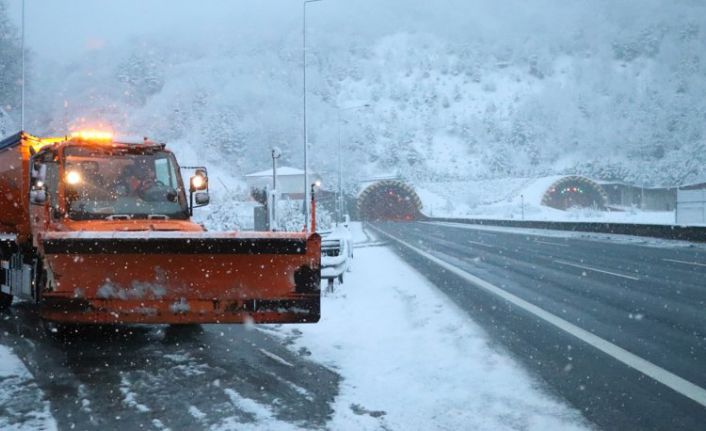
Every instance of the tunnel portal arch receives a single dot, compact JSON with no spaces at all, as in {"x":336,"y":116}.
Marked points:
{"x":575,"y":191}
{"x":389,"y":200}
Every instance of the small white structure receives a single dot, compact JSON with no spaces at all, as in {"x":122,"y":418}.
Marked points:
{"x":336,"y":255}
{"x":290,"y":181}
{"x":691,"y":207}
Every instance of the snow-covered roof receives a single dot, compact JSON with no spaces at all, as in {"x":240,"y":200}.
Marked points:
{"x":281,"y":171}
{"x":638,"y":186}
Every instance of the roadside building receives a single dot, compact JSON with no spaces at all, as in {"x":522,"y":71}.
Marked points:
{"x":290,"y":181}
{"x":622,"y":196}
{"x":691,"y":204}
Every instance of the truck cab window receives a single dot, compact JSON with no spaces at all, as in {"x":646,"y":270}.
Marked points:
{"x":162,"y":172}
{"x":100,"y":183}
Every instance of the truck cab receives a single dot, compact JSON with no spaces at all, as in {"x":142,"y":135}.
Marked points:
{"x":87,"y":183}
{"x":96,"y":230}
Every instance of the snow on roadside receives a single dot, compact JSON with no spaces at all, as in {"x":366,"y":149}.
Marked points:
{"x":519,"y":199}
{"x":22,"y":403}
{"x":412,"y":360}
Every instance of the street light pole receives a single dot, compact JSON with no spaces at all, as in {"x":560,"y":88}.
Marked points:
{"x":276,"y":153}
{"x":22,"y":102}
{"x":339,"y":201}
{"x":339,"y":207}
{"x":306,"y":137}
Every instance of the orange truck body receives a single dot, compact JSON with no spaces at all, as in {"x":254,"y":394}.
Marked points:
{"x":141,"y":269}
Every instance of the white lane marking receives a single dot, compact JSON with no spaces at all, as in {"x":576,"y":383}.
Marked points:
{"x":684,"y":262}
{"x":551,"y":243}
{"x":593,"y":268}
{"x":370,"y":244}
{"x":478,"y":243}
{"x":644,"y":366}
{"x":276,"y":358}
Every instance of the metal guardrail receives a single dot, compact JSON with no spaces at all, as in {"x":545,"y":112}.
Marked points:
{"x":683,"y":233}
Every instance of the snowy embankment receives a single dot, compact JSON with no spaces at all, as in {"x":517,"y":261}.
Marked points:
{"x":502,"y":199}
{"x":22,"y":403}
{"x":412,"y":360}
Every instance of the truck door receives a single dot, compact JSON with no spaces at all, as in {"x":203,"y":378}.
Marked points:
{"x":43,"y":205}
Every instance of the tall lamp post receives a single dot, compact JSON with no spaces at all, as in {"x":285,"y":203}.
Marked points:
{"x":22,"y":102}
{"x":339,"y":201}
{"x":276,"y":154}
{"x":306,"y":137}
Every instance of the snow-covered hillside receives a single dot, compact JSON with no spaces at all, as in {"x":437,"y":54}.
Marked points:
{"x":457,"y":89}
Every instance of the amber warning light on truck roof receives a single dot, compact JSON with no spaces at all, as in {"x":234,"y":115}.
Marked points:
{"x":92,"y":135}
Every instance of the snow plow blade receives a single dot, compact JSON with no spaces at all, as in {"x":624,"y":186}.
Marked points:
{"x":180,"y":277}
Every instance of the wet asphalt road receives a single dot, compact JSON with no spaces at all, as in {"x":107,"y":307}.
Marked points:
{"x":186,"y":378}
{"x":650,"y":301}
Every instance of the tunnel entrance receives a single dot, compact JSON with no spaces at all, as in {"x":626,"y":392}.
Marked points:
{"x":389,"y":200}
{"x":575,"y":191}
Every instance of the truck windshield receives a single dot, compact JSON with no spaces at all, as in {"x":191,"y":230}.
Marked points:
{"x":102,"y":183}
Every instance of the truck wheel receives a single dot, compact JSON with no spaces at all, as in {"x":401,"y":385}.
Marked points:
{"x":340,"y":278}
{"x":5,"y":301}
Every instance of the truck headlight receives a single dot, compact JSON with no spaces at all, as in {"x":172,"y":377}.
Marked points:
{"x":72,"y":178}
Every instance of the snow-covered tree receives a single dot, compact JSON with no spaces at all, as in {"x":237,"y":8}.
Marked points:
{"x":10,"y":65}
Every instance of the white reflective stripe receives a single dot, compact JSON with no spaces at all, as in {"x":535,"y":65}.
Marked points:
{"x":593,"y":268}
{"x":684,"y":262}
{"x":551,"y":243}
{"x":644,"y":366}
{"x":26,"y":280}
{"x":276,"y":358}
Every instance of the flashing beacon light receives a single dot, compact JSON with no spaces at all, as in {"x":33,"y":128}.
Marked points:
{"x":92,"y":135}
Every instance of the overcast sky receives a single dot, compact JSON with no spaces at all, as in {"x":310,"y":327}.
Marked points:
{"x":64,"y":29}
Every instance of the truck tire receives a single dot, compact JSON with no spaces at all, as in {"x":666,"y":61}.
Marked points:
{"x":5,"y":301}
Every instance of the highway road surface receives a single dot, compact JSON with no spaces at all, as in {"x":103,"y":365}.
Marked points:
{"x":617,"y":328}
{"x":218,"y":377}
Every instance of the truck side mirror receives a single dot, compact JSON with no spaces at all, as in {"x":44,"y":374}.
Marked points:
{"x":202,"y":198}
{"x":198,"y":188}
{"x":199,"y":181}
{"x":39,"y":172}
{"x":38,"y":190}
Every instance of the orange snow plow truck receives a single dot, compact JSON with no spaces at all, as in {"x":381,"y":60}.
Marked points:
{"x":96,"y":231}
